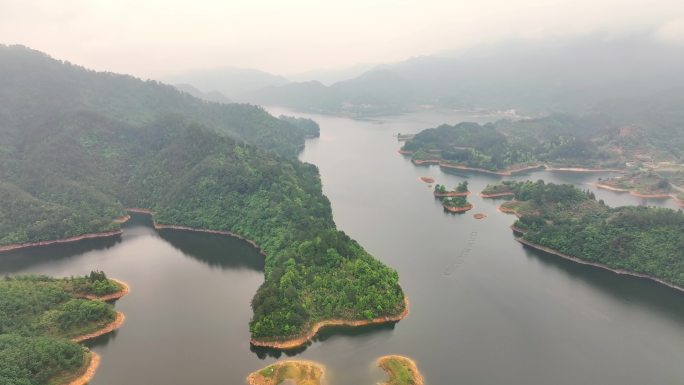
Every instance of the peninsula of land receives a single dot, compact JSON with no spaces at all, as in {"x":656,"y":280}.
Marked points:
{"x":560,"y":219}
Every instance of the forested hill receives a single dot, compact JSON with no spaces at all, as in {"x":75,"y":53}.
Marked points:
{"x":66,"y":172}
{"x":642,"y":240}
{"x":605,"y":138}
{"x":35,"y":88}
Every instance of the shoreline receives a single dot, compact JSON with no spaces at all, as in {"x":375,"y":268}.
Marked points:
{"x":509,"y":172}
{"x":581,"y":169}
{"x":318,"y":326}
{"x":18,"y":246}
{"x":219,"y":232}
{"x":497,"y":195}
{"x":638,"y":194}
{"x":256,"y":378}
{"x":125,"y":289}
{"x":451,"y":194}
{"x":87,"y":373}
{"x":114,"y":325}
{"x":158,"y":226}
{"x":463,"y":209}
{"x":409,"y":363}
{"x":595,"y":264}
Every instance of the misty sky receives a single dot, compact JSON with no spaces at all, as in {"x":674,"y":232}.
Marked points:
{"x":153,"y":38}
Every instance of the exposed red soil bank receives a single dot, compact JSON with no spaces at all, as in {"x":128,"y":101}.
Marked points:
{"x":125,"y":289}
{"x":114,"y":325}
{"x":599,"y":265}
{"x":302,"y":340}
{"x":480,"y":216}
{"x":497,"y":195}
{"x":458,"y":209}
{"x":88,"y":372}
{"x":18,"y":246}
{"x":427,"y":179}
{"x":580,"y":169}
{"x":639,"y":195}
{"x":451,"y":194}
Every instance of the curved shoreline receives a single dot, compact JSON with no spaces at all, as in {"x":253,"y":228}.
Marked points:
{"x":638,"y":194}
{"x":318,"y":326}
{"x":158,"y":226}
{"x":451,"y":194}
{"x":256,"y":378}
{"x":497,"y":195}
{"x":88,"y":372}
{"x":463,"y":209}
{"x":125,"y":289}
{"x":508,"y":172}
{"x":411,"y":366}
{"x":114,"y":325}
{"x":581,"y":169}
{"x":18,"y":246}
{"x":595,"y":264}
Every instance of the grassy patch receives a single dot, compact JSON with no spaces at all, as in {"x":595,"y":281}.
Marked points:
{"x":401,"y":371}
{"x":301,"y":372}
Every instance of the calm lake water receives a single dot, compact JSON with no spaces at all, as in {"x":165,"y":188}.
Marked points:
{"x":484,"y":310}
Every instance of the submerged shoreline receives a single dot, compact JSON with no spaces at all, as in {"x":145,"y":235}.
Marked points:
{"x":595,"y":264}
{"x":297,"y":342}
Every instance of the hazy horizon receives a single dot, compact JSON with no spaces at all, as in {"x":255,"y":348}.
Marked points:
{"x":158,"y":39}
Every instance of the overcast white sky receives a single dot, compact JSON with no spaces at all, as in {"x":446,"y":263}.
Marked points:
{"x":153,"y":38}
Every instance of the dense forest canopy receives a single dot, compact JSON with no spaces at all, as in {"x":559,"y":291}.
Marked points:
{"x":593,"y":140}
{"x":38,"y":314}
{"x":78,"y":147}
{"x":31,"y":78}
{"x":645,"y":240}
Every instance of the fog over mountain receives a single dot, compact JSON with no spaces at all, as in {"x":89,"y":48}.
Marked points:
{"x":231,"y":82}
{"x":570,"y":75}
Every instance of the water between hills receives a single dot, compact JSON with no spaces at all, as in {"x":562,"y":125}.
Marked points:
{"x":484,"y":310}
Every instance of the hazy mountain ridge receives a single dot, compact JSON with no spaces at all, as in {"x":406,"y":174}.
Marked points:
{"x":569,"y":77}
{"x":234,"y":83}
{"x":34,"y":78}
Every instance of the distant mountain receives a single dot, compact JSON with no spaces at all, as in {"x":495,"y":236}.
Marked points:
{"x":539,"y":77}
{"x":330,"y":76}
{"x":231,"y":82}
{"x":211,"y":96}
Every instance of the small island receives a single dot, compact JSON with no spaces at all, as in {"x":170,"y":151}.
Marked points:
{"x":427,"y":179}
{"x":298,"y":371}
{"x":400,"y":370}
{"x":569,"y":222}
{"x":455,"y":201}
{"x":460,"y":191}
{"x":44,"y":317}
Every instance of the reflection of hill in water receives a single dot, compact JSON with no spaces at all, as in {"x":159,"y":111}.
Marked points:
{"x":324,"y":334}
{"x":18,"y":260}
{"x":638,"y":291}
{"x":215,"y":250}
